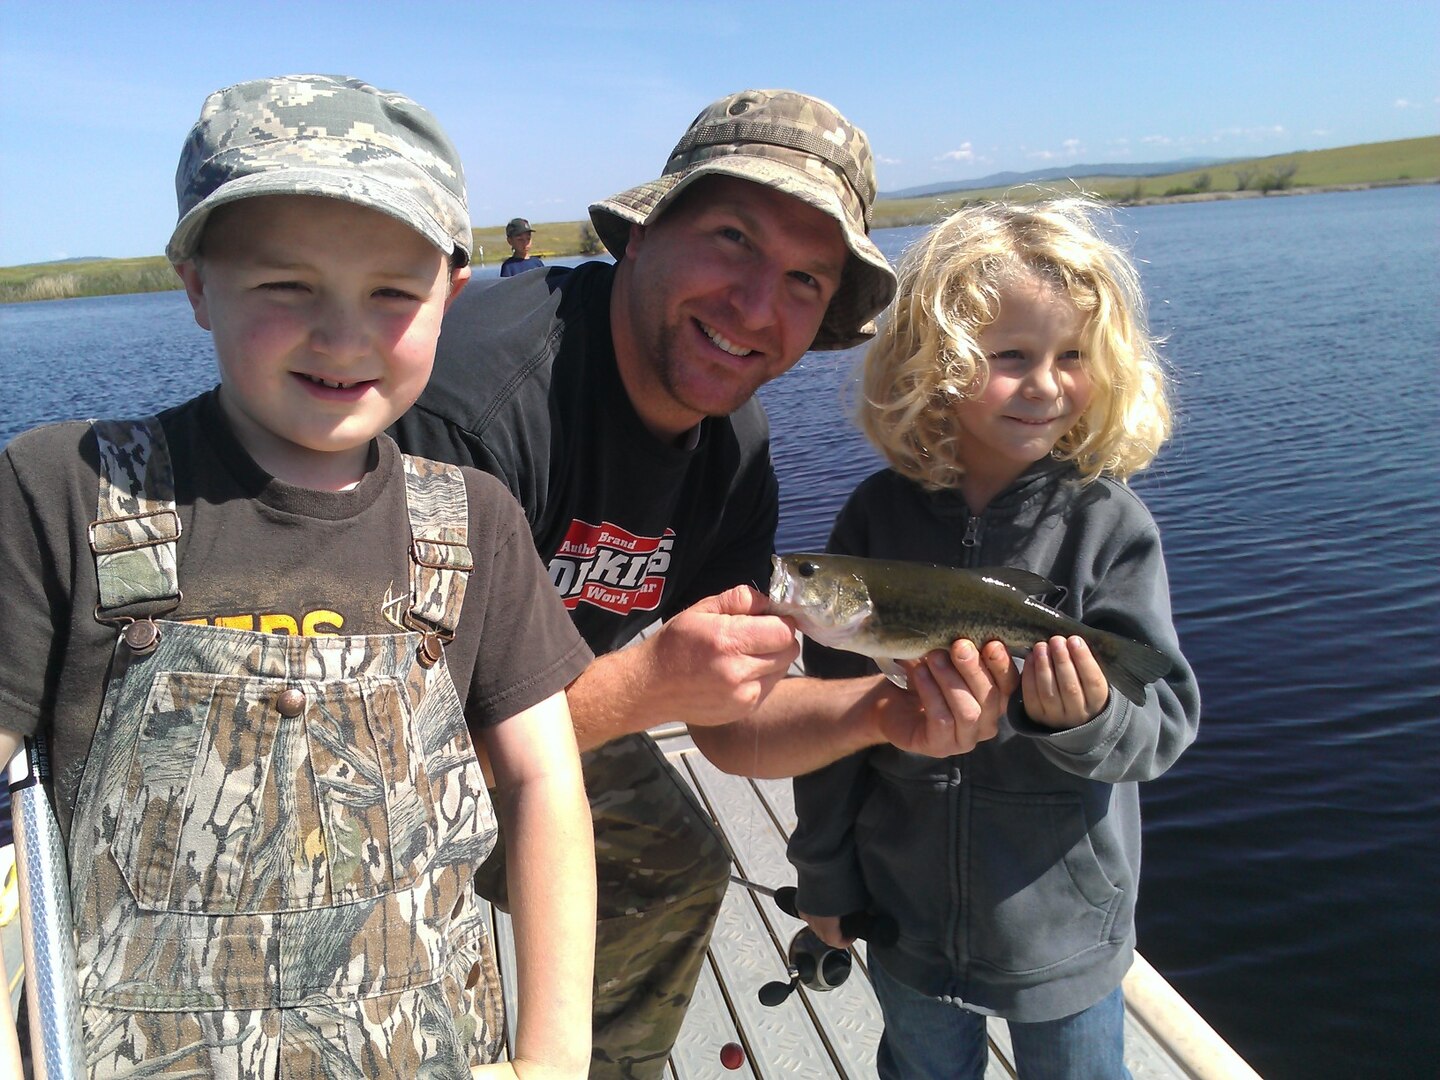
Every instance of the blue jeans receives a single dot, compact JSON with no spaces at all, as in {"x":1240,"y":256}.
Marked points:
{"x":927,"y":1039}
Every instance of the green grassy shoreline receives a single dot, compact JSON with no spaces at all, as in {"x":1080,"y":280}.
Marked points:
{"x":1346,"y":168}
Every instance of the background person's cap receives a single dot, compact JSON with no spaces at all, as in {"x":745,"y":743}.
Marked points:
{"x":325,"y":135}
{"x":796,"y":144}
{"x":516,"y":226}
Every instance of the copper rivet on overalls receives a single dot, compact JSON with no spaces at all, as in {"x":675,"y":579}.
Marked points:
{"x":473,"y":977}
{"x":290,"y":702}
{"x":431,"y":648}
{"x":142,"y":635}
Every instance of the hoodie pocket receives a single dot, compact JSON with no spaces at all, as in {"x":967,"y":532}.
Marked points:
{"x":1036,"y":895}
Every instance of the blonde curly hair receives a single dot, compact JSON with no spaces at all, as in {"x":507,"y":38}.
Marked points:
{"x":926,"y":355}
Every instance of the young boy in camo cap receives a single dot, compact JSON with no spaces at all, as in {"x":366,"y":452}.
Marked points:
{"x":273,"y":825}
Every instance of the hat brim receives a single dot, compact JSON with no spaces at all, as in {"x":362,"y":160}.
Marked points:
{"x":867,"y":285}
{"x":371,"y":192}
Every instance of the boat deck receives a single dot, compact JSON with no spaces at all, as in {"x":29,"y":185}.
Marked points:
{"x":835,"y":1033}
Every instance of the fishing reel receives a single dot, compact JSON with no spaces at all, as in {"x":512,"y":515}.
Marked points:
{"x":810,"y":961}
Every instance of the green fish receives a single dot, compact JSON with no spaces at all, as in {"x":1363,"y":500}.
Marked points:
{"x":901,"y":610}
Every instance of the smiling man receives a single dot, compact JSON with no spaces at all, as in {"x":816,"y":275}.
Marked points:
{"x":617,"y":402}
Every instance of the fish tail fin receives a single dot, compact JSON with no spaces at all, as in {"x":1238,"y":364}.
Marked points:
{"x":1130,"y":666}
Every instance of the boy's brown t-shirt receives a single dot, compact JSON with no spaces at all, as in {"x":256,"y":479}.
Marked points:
{"x":255,"y":554}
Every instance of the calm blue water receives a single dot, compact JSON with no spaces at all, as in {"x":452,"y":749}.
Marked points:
{"x":1293,"y":855}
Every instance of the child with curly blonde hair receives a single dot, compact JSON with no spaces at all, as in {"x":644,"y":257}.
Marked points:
{"x":1013,"y":389}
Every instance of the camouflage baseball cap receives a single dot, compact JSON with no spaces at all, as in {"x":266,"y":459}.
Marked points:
{"x":796,"y":144}
{"x":516,"y":226}
{"x":322,"y":135}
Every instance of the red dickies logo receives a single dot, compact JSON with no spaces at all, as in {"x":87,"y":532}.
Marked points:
{"x":611,"y":568}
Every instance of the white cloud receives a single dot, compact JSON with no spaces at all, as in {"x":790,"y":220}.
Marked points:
{"x":965,"y":153}
{"x":1262,"y":133}
{"x":881,"y":159}
{"x":1270,"y":131}
{"x":1402,"y":103}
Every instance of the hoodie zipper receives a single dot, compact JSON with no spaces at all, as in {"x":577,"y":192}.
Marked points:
{"x":974,"y":526}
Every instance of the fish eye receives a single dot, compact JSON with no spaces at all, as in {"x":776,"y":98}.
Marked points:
{"x":808,"y":569}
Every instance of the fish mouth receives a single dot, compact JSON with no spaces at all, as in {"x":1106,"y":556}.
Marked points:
{"x":779,"y":581}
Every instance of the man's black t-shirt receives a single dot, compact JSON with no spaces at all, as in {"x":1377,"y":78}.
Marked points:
{"x":631,"y":528}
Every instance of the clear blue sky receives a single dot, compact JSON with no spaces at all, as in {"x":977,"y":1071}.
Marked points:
{"x":556,"y":103}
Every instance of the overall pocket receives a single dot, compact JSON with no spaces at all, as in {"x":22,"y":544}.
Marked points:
{"x":247,"y":796}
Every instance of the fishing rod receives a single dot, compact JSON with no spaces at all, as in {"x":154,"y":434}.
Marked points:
{"x":52,"y":992}
{"x":810,"y":961}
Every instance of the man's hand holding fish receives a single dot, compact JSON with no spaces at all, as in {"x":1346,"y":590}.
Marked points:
{"x":710,"y":665}
{"x":955,"y":702}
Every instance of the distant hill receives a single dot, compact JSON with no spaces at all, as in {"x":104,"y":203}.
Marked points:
{"x":1344,"y":168}
{"x":1009,"y":179}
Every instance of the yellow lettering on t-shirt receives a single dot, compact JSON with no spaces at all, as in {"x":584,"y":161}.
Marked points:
{"x":278,"y":624}
{"x":235,"y":622}
{"x":320,"y":623}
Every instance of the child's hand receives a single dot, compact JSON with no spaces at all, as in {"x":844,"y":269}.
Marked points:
{"x":1062,"y":684}
{"x":827,"y":929}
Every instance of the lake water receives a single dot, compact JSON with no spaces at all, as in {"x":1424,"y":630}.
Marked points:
{"x":1292,"y":859}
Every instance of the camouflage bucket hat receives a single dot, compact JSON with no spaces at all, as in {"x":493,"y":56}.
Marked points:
{"x":324,"y":135}
{"x":796,"y":144}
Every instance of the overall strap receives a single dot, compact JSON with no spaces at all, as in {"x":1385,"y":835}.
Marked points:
{"x":440,"y":562}
{"x":134,"y":534}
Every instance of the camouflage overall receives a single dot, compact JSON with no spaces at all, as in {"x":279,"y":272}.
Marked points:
{"x":272,"y":852}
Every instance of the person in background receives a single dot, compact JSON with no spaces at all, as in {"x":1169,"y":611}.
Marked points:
{"x":259,"y":641}
{"x":617,"y":403}
{"x":1013,"y":389}
{"x":518,"y":235}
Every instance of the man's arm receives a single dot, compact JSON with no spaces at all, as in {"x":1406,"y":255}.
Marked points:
{"x":713,"y":663}
{"x":720,"y":667}
{"x":955,"y":701}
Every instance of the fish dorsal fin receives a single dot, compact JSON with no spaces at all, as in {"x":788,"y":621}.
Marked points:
{"x":1028,"y":583}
